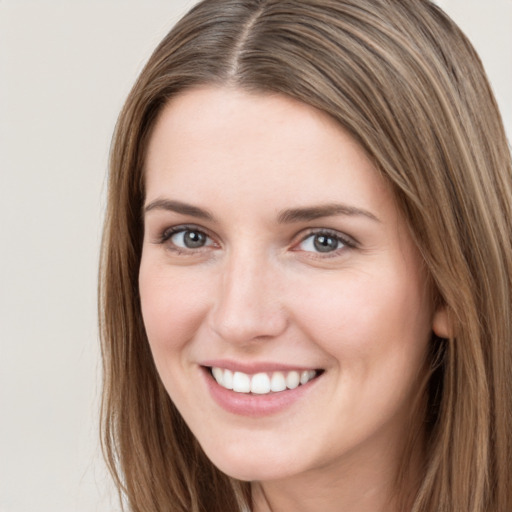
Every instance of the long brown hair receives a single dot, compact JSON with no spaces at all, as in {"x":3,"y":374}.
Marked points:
{"x":405,"y":82}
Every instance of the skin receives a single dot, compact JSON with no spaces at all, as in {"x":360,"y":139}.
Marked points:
{"x":259,"y":291}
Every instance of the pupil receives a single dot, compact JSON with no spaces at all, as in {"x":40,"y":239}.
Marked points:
{"x":324,"y":243}
{"x":193,"y":239}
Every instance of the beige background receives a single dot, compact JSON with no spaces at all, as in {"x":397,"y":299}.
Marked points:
{"x":65,"y":68}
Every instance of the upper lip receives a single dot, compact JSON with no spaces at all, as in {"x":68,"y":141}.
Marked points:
{"x":255,"y":367}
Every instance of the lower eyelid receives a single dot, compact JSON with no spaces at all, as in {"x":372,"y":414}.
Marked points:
{"x":344,"y":240}
{"x":165,"y":238}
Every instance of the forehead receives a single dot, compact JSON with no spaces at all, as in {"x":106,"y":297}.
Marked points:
{"x":228,"y":142}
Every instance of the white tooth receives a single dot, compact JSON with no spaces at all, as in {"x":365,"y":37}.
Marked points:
{"x":227,"y":379}
{"x":278,"y":382}
{"x":241,"y":382}
{"x":217,"y":374}
{"x":312,"y":374}
{"x":304,"y":377}
{"x":292,"y":380}
{"x":260,"y":384}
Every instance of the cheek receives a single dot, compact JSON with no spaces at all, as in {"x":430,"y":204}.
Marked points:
{"x":362,"y":317}
{"x":377,"y":333}
{"x":173,"y":306}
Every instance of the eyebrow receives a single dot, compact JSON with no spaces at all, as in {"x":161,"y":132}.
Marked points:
{"x":326,"y":210}
{"x":288,"y":216}
{"x":179,"y":207}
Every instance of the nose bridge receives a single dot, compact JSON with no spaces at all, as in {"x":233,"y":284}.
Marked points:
{"x":248,"y":305}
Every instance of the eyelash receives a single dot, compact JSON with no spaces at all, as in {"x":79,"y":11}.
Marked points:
{"x":346,"y":242}
{"x":168,"y":233}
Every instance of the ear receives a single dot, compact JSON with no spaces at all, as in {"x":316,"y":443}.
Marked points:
{"x":441,"y":323}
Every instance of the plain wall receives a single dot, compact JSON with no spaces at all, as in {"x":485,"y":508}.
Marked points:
{"x":65,"y":69}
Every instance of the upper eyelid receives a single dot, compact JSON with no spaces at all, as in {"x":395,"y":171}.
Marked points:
{"x":164,"y":239}
{"x":171,"y":230}
{"x":162,"y":236}
{"x":347,"y":239}
{"x":299,"y":237}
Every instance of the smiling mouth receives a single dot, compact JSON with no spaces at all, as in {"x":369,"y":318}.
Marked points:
{"x":262,"y":383}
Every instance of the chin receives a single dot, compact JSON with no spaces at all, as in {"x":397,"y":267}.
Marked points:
{"x":251,"y":473}
{"x":248,"y":467}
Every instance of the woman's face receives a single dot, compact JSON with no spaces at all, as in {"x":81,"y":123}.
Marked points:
{"x":275,"y":261}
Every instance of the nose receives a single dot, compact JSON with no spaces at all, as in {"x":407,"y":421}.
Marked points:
{"x":249,"y":302}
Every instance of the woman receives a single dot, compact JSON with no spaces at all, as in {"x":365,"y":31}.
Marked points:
{"x":305,"y":288}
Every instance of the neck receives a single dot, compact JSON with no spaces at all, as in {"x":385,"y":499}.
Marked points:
{"x":310,"y":495}
{"x":363,"y":483}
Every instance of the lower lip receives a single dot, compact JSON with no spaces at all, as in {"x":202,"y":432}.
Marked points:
{"x":245,"y":404}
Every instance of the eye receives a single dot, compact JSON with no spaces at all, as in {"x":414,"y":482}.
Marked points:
{"x":186,"y":238}
{"x":323,"y":242}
